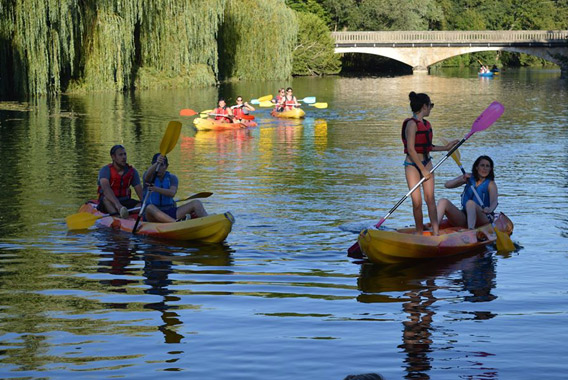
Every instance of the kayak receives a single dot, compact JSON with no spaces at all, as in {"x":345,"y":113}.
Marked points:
{"x":295,"y":113}
{"x":394,"y":246}
{"x":216,"y":125}
{"x":489,"y":74}
{"x":209,"y":229}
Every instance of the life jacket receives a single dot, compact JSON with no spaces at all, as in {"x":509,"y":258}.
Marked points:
{"x":289,"y":104}
{"x":423,"y":139}
{"x":160,"y":200}
{"x":120,"y":184}
{"x":238,"y":112}
{"x":279,"y":107}
{"x":482,"y":190}
{"x":222,"y":111}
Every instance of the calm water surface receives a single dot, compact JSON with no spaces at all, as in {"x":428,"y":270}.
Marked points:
{"x":280,"y":299}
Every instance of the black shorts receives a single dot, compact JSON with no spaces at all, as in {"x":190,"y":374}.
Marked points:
{"x":126,"y":202}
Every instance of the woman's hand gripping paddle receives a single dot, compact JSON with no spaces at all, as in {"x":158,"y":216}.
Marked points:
{"x":504,"y":242}
{"x":483,"y":121}
{"x":168,"y":143}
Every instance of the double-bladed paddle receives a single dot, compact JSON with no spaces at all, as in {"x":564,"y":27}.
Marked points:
{"x":483,"y":121}
{"x":187,"y":112}
{"x":265,"y":98}
{"x":168,"y":143}
{"x":84,"y":220}
{"x":504,"y":242}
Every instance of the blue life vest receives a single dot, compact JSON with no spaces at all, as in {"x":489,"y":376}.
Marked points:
{"x":482,"y":190}
{"x":161,"y":201}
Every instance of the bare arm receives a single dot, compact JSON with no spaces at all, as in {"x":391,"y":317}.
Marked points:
{"x":493,"y":196}
{"x":108,"y":193}
{"x":458,"y":181}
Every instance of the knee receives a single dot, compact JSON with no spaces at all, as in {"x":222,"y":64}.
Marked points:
{"x":470,"y":205}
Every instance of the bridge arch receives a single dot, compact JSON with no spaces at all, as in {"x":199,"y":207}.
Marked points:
{"x":422,"y":49}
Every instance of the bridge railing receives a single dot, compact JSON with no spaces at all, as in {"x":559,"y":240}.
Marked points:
{"x":452,"y":36}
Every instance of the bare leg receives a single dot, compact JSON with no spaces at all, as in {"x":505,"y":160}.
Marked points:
{"x":454,"y":215}
{"x":194,"y":207}
{"x":475,"y":215}
{"x":109,"y":206}
{"x":412,"y":178}
{"x":154,"y":214}
{"x":430,"y":200}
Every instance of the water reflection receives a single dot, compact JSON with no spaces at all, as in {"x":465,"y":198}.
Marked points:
{"x":416,"y":284}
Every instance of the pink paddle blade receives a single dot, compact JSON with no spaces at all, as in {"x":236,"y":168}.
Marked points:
{"x":487,"y":117}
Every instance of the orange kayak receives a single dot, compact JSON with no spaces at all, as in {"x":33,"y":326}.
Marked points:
{"x":209,"y":229}
{"x":394,"y":246}
{"x":216,"y":125}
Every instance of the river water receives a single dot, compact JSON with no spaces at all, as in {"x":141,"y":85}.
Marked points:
{"x":280,"y":299}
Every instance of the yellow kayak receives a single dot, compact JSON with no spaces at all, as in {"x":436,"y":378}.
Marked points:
{"x":209,"y":229}
{"x":395,"y":246}
{"x":295,"y":113}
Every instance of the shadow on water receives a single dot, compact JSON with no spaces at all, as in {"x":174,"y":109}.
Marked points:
{"x":160,"y":261}
{"x":472,"y":277}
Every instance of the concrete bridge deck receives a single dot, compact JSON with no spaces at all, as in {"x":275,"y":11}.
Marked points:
{"x":421,"y":49}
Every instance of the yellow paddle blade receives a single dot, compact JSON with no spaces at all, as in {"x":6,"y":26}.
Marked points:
{"x":456,"y":155}
{"x":504,"y":242}
{"x":266,"y":104}
{"x":319,"y":105}
{"x":170,"y":138}
{"x":81,"y":221}
{"x":265,"y":98}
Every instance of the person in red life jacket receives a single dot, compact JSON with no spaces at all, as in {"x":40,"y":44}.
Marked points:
{"x":115,"y":180}
{"x":417,"y":139}
{"x":223,"y":113}
{"x":240,"y":109}
{"x":289,"y":101}
{"x":477,"y":210}
{"x":278,"y":100}
{"x":161,"y":205}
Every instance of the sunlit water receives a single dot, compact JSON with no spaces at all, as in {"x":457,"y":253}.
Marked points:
{"x":280,"y":299}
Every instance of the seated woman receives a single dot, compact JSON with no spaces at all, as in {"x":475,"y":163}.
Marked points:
{"x":222,"y":113}
{"x":240,"y":109}
{"x":479,"y":198}
{"x":161,"y":205}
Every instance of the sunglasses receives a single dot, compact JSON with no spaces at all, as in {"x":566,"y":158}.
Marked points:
{"x":431,"y":105}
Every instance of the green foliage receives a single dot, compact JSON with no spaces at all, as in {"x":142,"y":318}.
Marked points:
{"x":256,"y":40}
{"x":310,"y":6}
{"x":314,"y":53}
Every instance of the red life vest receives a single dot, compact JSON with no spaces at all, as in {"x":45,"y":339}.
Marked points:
{"x":238,"y":112}
{"x":423,"y":139}
{"x":120,"y":184}
{"x":222,"y":111}
{"x":289,"y":104}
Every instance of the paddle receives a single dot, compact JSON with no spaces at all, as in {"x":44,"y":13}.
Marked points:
{"x":168,"y":143}
{"x":265,"y":98}
{"x":483,"y":121}
{"x":504,"y":242}
{"x":187,"y":112}
{"x":319,"y":105}
{"x":84,"y":220}
{"x":244,"y":117}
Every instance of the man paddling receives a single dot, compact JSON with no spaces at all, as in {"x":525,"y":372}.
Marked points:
{"x":115,"y":180}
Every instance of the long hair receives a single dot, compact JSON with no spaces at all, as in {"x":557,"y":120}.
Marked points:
{"x":491,"y":175}
{"x":417,"y":101}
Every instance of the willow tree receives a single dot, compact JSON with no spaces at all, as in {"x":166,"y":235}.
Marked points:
{"x":314,"y":53}
{"x":256,"y":40}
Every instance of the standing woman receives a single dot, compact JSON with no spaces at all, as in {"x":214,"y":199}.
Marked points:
{"x":475,"y":212}
{"x":417,"y":139}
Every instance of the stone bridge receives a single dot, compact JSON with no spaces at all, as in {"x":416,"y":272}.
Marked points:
{"x":421,"y":49}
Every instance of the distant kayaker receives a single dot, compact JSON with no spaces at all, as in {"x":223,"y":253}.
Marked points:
{"x":278,"y":100}
{"x":115,"y":180}
{"x":417,"y":139}
{"x":289,"y":101}
{"x":477,"y":210}
{"x":222,"y":113}
{"x":241,"y":108}
{"x":161,"y":205}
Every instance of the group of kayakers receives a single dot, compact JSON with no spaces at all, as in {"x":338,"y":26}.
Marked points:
{"x":233,"y":114}
{"x":478,"y":203}
{"x":116,"y":179}
{"x":480,"y":196}
{"x":285,"y":100}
